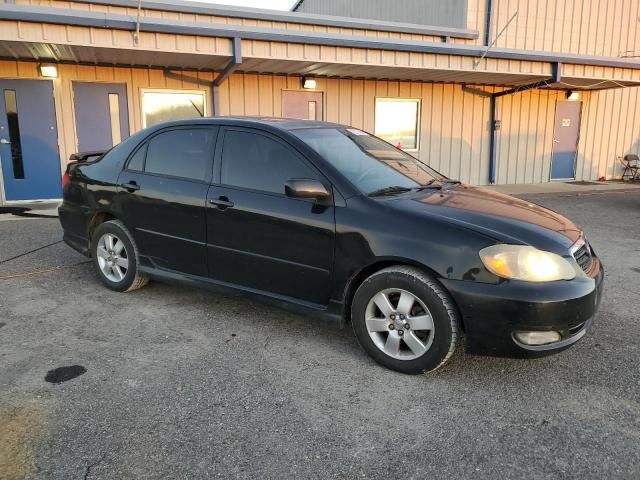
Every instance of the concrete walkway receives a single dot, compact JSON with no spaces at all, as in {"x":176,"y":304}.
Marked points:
{"x":565,"y":187}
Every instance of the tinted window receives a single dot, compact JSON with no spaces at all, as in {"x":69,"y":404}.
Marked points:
{"x":137,"y":160}
{"x":368,"y":162}
{"x":181,"y":153}
{"x":254,"y":161}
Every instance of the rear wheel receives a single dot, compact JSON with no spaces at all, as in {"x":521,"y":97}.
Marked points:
{"x":115,"y":257}
{"x":405,"y":320}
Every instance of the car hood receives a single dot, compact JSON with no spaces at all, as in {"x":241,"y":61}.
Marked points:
{"x":502,"y":217}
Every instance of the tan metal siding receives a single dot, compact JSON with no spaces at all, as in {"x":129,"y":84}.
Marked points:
{"x":589,"y":27}
{"x":610,"y":129}
{"x":525,"y":139}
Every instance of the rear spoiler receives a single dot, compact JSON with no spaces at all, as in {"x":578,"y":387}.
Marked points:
{"x":83,"y":156}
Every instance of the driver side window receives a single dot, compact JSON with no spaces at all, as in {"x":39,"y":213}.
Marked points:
{"x":257,"y":162}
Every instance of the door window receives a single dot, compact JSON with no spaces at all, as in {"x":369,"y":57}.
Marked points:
{"x":251,"y":160}
{"x":11,"y":107}
{"x":181,"y":153}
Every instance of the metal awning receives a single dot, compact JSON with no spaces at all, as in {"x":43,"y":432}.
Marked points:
{"x":447,"y":62}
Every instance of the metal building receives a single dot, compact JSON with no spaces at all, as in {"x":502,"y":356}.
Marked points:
{"x":495,"y":91}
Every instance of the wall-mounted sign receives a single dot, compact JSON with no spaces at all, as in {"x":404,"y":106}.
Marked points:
{"x":566,"y":122}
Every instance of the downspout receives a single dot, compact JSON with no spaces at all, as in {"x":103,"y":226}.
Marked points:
{"x":234,"y":63}
{"x":493,"y":123}
{"x":488,"y":23}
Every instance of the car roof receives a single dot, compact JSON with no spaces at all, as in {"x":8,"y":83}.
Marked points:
{"x":273,"y":122}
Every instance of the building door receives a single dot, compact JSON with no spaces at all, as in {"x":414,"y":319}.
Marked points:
{"x":29,"y":153}
{"x":565,"y":140}
{"x":102,"y":117}
{"x":302,"y":105}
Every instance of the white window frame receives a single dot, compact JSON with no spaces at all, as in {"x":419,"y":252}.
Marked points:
{"x":418,"y":117}
{"x":171,"y":90}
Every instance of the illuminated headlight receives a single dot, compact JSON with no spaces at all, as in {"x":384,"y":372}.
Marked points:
{"x":523,"y":262}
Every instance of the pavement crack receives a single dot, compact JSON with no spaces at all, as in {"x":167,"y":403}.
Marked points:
{"x":87,"y":470}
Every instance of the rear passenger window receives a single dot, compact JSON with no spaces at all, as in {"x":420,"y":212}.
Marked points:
{"x":137,"y":160}
{"x":251,"y":160}
{"x":183,"y":153}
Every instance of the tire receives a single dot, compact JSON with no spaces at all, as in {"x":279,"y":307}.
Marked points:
{"x":109,"y":259}
{"x":417,"y":308}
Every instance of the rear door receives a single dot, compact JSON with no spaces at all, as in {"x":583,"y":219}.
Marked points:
{"x":163,"y":191}
{"x":257,"y":236}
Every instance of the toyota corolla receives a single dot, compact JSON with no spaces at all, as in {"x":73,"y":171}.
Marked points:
{"x":327,"y":220}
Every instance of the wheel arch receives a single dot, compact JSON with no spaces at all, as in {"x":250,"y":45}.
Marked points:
{"x":97,"y":219}
{"x":378,"y":264}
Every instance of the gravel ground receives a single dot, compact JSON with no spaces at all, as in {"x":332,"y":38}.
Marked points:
{"x":184,"y":383}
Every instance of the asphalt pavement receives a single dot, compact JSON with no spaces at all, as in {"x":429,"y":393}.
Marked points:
{"x":174,"y":382}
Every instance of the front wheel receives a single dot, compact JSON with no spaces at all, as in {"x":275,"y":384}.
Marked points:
{"x":405,"y":320}
{"x":115,"y":257}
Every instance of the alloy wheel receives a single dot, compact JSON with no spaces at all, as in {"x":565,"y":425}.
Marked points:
{"x":399,"y":324}
{"x":112,"y":257}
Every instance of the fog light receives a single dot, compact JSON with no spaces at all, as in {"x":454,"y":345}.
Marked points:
{"x":537,"y":338}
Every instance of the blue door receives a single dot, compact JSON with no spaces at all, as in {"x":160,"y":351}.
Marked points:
{"x":565,"y":140}
{"x":29,"y":141}
{"x":102,"y":118}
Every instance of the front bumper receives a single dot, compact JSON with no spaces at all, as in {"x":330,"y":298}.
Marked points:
{"x":492,"y":314}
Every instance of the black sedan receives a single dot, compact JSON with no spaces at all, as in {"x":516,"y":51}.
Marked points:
{"x":326,"y":219}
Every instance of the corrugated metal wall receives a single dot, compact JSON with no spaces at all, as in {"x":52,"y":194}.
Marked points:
{"x":450,"y":13}
{"x":590,"y":27}
{"x":610,"y":129}
{"x":454,"y":125}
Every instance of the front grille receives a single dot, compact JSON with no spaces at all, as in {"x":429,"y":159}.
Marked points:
{"x":583,"y":257}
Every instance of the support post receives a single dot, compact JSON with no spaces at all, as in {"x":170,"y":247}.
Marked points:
{"x":492,"y":140}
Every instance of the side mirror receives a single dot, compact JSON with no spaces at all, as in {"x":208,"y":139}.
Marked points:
{"x":305,"y":188}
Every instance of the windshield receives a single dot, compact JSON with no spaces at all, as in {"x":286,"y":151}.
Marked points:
{"x":369,"y":163}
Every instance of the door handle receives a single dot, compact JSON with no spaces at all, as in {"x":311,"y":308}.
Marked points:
{"x":131,"y":186}
{"x":221,"y":203}
{"x":4,"y":141}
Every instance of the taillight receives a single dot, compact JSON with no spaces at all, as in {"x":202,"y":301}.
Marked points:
{"x":66,"y":179}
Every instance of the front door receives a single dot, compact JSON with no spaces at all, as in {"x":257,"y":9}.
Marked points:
{"x":163,"y":190}
{"x":29,"y":141}
{"x":102,"y":118}
{"x":258,"y":237}
{"x":302,"y":105}
{"x":565,"y":140}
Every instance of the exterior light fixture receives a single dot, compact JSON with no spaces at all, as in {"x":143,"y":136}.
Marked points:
{"x":308,"y":83}
{"x":571,"y":95}
{"x":48,"y":70}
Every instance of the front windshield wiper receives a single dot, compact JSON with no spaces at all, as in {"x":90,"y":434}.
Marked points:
{"x":389,"y":191}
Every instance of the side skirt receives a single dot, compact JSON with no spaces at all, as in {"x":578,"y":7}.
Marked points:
{"x":332,"y":312}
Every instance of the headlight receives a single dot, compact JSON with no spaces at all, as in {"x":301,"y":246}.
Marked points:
{"x":522,"y":262}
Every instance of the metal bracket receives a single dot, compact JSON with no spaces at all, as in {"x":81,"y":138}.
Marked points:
{"x":235,"y":61}
{"x":233,"y":64}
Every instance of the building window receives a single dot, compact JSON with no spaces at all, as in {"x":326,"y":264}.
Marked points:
{"x":166,"y":105}
{"x":397,"y":121}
